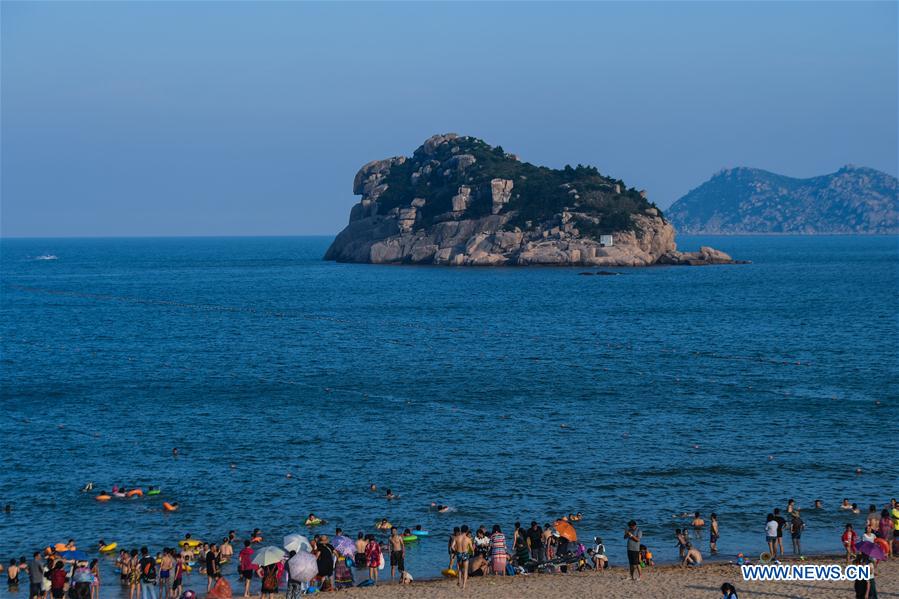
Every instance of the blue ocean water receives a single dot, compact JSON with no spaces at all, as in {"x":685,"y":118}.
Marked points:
{"x":515,"y":393}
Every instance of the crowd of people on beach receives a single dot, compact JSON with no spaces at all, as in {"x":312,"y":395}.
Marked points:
{"x":322,"y":562}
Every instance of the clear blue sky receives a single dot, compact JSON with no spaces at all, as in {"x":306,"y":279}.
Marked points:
{"x":217,"y":118}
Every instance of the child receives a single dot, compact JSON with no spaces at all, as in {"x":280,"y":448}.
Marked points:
{"x":849,"y":539}
{"x":681,"y":542}
{"x":600,"y":560}
{"x":646,"y":558}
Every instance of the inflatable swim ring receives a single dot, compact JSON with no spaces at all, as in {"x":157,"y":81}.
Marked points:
{"x":383,"y":526}
{"x":134,"y":492}
{"x":103,"y":497}
{"x":882,"y":543}
{"x":314,"y":522}
{"x":420,"y":533}
{"x":449,"y":572}
{"x":118,"y":494}
{"x":169,"y":507}
{"x":108,"y":548}
{"x":410,"y":538}
{"x":60,"y":547}
{"x":256,"y":540}
{"x":189,"y":543}
{"x":153,"y":492}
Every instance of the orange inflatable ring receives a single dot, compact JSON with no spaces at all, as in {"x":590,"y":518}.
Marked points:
{"x":256,"y":540}
{"x":60,"y":547}
{"x":169,"y":507}
{"x":883,"y":545}
{"x":134,"y":492}
{"x":103,"y":497}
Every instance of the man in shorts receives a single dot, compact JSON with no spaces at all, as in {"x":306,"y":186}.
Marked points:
{"x":633,"y":536}
{"x":463,"y":548}
{"x":397,"y":553}
{"x":246,"y":567}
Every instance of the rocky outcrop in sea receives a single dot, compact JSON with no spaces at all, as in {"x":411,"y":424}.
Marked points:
{"x":459,"y":201}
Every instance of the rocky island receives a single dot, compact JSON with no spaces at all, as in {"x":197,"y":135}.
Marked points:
{"x":853,"y":200}
{"x":459,"y":201}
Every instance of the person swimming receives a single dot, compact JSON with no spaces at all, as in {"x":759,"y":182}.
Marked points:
{"x":390,"y":495}
{"x":373,"y":487}
{"x":440,"y":507}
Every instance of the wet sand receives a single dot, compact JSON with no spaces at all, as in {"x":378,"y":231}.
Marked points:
{"x":664,"y":582}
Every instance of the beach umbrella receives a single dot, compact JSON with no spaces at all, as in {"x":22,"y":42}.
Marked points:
{"x":302,"y":567}
{"x":75,"y":555}
{"x":870,"y":549}
{"x":566,"y":530}
{"x":297,"y":543}
{"x":344,"y":545}
{"x":269,"y":555}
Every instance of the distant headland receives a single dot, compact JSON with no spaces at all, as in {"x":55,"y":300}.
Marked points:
{"x":742,"y":200}
{"x":459,"y":201}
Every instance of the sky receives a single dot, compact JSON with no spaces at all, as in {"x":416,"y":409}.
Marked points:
{"x":238,"y":118}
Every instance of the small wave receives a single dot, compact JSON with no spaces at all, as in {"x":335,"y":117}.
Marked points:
{"x":47,"y":257}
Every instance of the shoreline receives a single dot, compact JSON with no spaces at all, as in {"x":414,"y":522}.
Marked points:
{"x":661,"y":582}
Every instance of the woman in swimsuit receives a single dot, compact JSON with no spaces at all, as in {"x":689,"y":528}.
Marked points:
{"x":134,"y":575}
{"x":95,"y":584}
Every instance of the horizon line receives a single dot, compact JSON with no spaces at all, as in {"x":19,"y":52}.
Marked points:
{"x":164,"y":236}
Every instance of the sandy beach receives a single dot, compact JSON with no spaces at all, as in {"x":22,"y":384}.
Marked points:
{"x":664,"y":582}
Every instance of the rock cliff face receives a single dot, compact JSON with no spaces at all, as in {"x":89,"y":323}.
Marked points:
{"x":746,"y":200}
{"x":459,"y":201}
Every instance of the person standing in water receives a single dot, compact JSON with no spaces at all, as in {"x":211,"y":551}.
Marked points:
{"x":462,"y":549}
{"x":36,"y":576}
{"x":246,"y":566}
{"x":147,"y":575}
{"x":781,"y":523}
{"x":397,"y":553}
{"x":212,"y":567}
{"x":713,"y":534}
{"x":166,"y":564}
{"x":796,"y":526}
{"x":771,"y":535}
{"x":359,"y":558}
{"x":373,"y":557}
{"x":697,"y":524}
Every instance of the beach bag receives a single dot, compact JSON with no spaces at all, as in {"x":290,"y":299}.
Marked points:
{"x":270,"y":580}
{"x":366,"y":583}
{"x":221,"y":590}
{"x":510,"y":570}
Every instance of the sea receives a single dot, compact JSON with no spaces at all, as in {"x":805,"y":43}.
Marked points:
{"x":289,"y":385}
